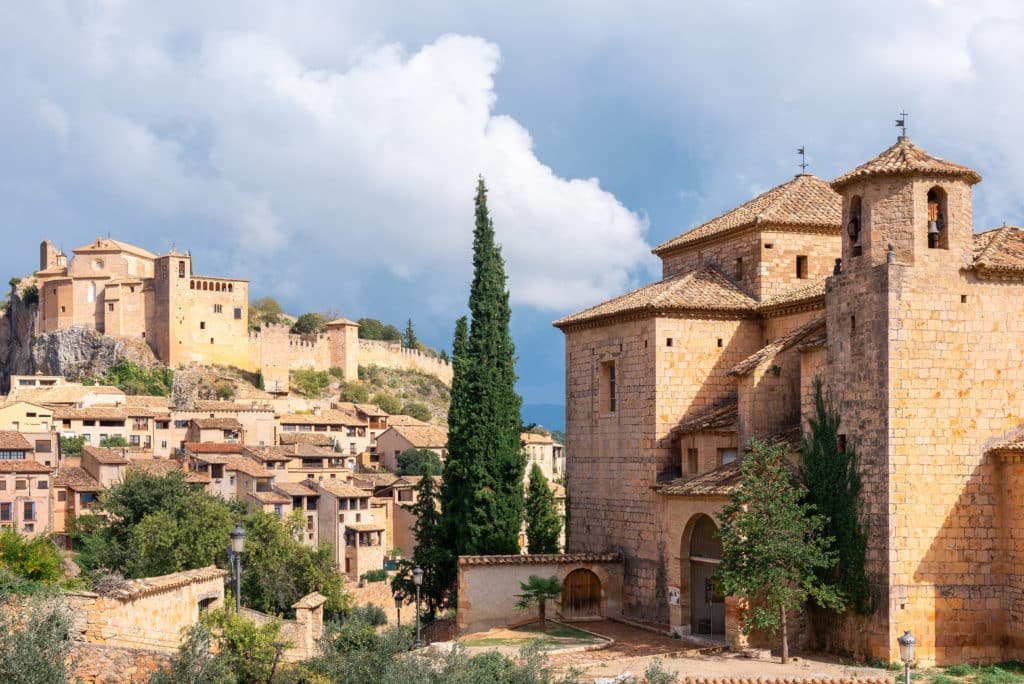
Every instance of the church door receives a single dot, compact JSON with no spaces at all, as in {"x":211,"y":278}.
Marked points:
{"x":581,"y":595}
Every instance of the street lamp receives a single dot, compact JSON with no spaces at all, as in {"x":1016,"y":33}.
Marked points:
{"x":907,"y":643}
{"x":398,"y":607}
{"x":235,"y":557}
{"x":417,"y":579}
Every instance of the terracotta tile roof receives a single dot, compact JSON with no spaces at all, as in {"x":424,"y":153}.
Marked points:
{"x":247,"y":466}
{"x":818,"y":341}
{"x":310,"y":438}
{"x":270,"y":497}
{"x":142,"y":401}
{"x":379,"y":479}
{"x":212,"y":448}
{"x":92,"y":413}
{"x":981,"y":240}
{"x":366,"y":526}
{"x":160,"y":467}
{"x":805,"y":294}
{"x":106,"y":455}
{"x":722,"y":416}
{"x":1004,"y":251}
{"x":905,"y":158}
{"x":541,"y":559}
{"x":269,"y":454}
{"x":423,"y":436}
{"x":718,"y":482}
{"x":534,"y":438}
{"x":294,"y":489}
{"x":779,"y":344}
{"x":75,"y":478}
{"x":342,"y":489}
{"x":217,"y":423}
{"x":326,"y":417}
{"x":67,"y":394}
{"x":220,"y":459}
{"x":311,"y":601}
{"x":12,"y":440}
{"x":230,"y":406}
{"x":27,"y":467}
{"x":806,"y":201}
{"x":402,"y":419}
{"x":108,"y":245}
{"x":369,"y":410}
{"x":703,"y":290}
{"x":137,"y":588}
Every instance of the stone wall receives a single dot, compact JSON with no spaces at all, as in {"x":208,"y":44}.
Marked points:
{"x":95,"y":664}
{"x":488,"y":585}
{"x":303,"y":632}
{"x":392,"y":355}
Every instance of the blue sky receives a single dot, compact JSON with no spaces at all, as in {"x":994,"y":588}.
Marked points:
{"x":328,"y":151}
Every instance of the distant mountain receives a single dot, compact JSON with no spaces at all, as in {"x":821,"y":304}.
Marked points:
{"x":550,"y":416}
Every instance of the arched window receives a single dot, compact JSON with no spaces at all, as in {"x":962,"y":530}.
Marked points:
{"x":192,"y":285}
{"x":938,"y":235}
{"x":181,"y":269}
{"x":218,"y":287}
{"x":854,"y":226}
{"x":230,"y":288}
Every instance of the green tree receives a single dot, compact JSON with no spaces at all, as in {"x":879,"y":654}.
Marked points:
{"x":310,"y":383}
{"x":772,"y":544}
{"x":370,"y":329}
{"x":539,"y":590}
{"x":432,"y":552}
{"x":309,"y":324}
{"x":35,"y":643}
{"x":409,"y":340}
{"x":195,"y":662}
{"x":355,"y":392}
{"x":30,"y":295}
{"x":71,"y":446}
{"x":543,"y":522}
{"x":37,"y":559}
{"x":482,"y":493}
{"x":388,"y":402}
{"x":253,"y":652}
{"x":419,"y":462}
{"x":418,"y":410}
{"x":114,"y":442}
{"x":833,"y":487}
{"x":265,"y":311}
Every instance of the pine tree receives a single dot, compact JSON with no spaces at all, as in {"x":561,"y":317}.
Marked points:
{"x":482,"y":493}
{"x":409,"y":340}
{"x":432,"y":551}
{"x":543,"y":523}
{"x":772,"y":544}
{"x":833,"y":488}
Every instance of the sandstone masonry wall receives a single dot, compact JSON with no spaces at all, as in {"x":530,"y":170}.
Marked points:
{"x":392,"y":355}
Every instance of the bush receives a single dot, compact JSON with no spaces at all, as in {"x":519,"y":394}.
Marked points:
{"x":388,"y":402}
{"x":71,"y":446}
{"x":310,"y":383}
{"x":419,"y":462}
{"x":309,"y":324}
{"x":34,"y":559}
{"x":114,"y":441}
{"x":371,"y":615}
{"x":35,"y":643}
{"x":336,"y":372}
{"x":133,"y":379}
{"x":30,"y":295}
{"x":355,"y":392}
{"x":418,"y":411}
{"x":378,"y":575}
{"x":225,"y":390}
{"x":14,"y":282}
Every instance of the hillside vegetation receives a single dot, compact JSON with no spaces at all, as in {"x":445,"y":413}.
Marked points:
{"x":417,"y":394}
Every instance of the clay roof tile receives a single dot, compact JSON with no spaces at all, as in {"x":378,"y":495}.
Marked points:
{"x":902,"y":159}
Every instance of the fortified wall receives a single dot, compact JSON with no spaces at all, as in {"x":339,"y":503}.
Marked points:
{"x":393,"y":355}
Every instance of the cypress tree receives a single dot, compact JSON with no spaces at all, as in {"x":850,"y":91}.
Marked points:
{"x":543,"y":523}
{"x":482,"y":493}
{"x":409,"y":340}
{"x":833,"y":487}
{"x":432,"y":552}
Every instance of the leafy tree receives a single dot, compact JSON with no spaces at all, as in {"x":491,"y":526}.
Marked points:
{"x":34,"y":559}
{"x":432,"y":552}
{"x":355,"y":392}
{"x":833,"y":488}
{"x":443,"y":355}
{"x":418,"y":410}
{"x":225,"y":390}
{"x":419,"y":462}
{"x":543,"y":522}
{"x":30,"y":295}
{"x":252,"y":652}
{"x":539,"y":590}
{"x":388,"y":402}
{"x":35,"y":643}
{"x":265,"y":311}
{"x":309,"y":324}
{"x":372,"y":329}
{"x":114,"y":441}
{"x":772,"y":544}
{"x":135,"y":380}
{"x":310,"y":383}
{"x":71,"y":446}
{"x":482,"y":495}
{"x":409,"y":340}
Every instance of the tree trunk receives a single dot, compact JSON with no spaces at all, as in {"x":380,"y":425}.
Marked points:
{"x":785,"y":637}
{"x":542,"y":607}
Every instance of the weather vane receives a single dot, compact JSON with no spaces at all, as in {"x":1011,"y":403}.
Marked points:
{"x":902,"y":123}
{"x":803,"y":159}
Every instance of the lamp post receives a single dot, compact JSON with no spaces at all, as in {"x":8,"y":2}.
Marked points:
{"x":235,"y":556}
{"x":907,"y":643}
{"x":398,"y":607}
{"x":417,"y":579}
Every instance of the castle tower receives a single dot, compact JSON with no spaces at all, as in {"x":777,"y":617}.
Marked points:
{"x":343,"y":338}
{"x":50,"y":256}
{"x":171,"y":340}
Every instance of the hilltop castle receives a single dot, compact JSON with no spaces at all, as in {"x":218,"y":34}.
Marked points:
{"x":123,"y":290}
{"x":875,"y":283}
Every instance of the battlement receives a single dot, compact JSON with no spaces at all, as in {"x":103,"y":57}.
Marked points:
{"x":392,"y":355}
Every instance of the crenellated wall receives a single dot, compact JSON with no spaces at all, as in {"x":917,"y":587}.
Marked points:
{"x":393,"y":355}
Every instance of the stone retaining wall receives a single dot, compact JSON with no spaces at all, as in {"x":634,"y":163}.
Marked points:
{"x":94,"y":664}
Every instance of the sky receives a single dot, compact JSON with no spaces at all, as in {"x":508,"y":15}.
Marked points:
{"x":329,"y":151}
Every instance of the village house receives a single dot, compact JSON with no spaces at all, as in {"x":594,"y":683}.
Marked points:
{"x":410,"y":435}
{"x":24,"y":487}
{"x":303,"y":498}
{"x":94,"y":424}
{"x":347,"y":432}
{"x":546,"y":453}
{"x":257,"y":420}
{"x":223,"y":430}
{"x":877,"y":285}
{"x":346,"y":523}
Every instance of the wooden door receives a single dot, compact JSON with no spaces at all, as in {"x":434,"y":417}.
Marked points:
{"x":581,"y":596}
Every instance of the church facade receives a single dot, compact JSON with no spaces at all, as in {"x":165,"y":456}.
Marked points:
{"x":876,"y":284}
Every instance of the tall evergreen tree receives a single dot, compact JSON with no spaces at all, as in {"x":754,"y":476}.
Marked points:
{"x":482,"y":494}
{"x":833,"y":488}
{"x":432,"y":552}
{"x":543,"y":523}
{"x":409,"y":340}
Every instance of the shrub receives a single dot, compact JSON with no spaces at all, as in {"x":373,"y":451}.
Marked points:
{"x":71,"y":446}
{"x":378,"y":575}
{"x":310,"y":383}
{"x":371,"y":615}
{"x":30,"y":295}
{"x":114,"y":441}
{"x":35,"y":643}
{"x":388,"y":402}
{"x":133,"y":379}
{"x":337,"y":372}
{"x":355,"y":392}
{"x":14,"y":282}
{"x":418,"y":411}
{"x":35,"y":559}
{"x":225,"y":390}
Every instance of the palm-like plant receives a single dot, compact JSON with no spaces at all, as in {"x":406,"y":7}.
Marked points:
{"x":538,"y":590}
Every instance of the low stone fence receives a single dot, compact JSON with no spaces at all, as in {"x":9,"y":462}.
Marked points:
{"x":782,"y":680}
{"x":95,"y":664}
{"x":303,"y":632}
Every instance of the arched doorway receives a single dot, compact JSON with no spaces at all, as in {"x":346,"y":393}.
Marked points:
{"x":707,"y":603}
{"x":581,"y":595}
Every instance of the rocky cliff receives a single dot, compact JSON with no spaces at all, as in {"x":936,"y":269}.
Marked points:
{"x":72,"y":352}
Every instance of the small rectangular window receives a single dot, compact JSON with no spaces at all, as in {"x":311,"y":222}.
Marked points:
{"x":668,"y":342}
{"x":42,"y":484}
{"x":768,"y":245}
{"x":853,"y":324}
{"x":211,"y":340}
{"x":62,"y":495}
{"x":841,"y":443}
{"x":739,"y":268}
{"x":238,"y":313}
{"x":719,"y":342}
{"x":726,"y":456}
{"x":963,"y":299}
{"x":21,"y":484}
{"x":218,"y":308}
{"x":691,"y":461}
{"x":609,"y":400}
{"x":801,"y":267}
{"x":202,"y":325}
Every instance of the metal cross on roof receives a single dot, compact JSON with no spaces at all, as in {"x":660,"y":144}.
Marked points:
{"x":803,"y":160}
{"x":902,"y":123}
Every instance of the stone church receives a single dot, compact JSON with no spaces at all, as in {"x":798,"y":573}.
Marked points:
{"x":877,"y":283}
